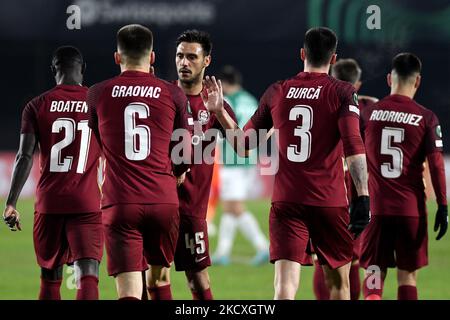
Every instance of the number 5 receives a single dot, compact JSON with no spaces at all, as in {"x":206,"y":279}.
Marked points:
{"x":392,"y":170}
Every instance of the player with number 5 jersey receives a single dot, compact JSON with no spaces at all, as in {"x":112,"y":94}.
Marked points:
{"x":399,"y":136}
{"x":134,"y":115}
{"x":67,"y":219}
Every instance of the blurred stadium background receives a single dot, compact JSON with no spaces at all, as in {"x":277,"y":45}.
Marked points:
{"x":262,"y":39}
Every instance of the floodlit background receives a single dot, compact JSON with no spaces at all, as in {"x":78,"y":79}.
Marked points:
{"x":263,"y":40}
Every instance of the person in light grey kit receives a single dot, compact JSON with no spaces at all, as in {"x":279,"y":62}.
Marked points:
{"x":237,"y":177}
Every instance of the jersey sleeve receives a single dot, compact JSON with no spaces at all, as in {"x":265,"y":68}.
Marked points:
{"x":433,"y":134}
{"x":347,"y":100}
{"x":349,"y":120}
{"x":29,"y":118}
{"x":93,"y":97}
{"x":183,"y":117}
{"x":437,"y":173}
{"x":185,"y":122}
{"x":262,"y":118}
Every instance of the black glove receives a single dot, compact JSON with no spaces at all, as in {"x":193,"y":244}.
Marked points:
{"x":441,"y":221}
{"x":359,"y":215}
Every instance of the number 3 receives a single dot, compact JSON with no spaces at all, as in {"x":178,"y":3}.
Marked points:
{"x":293,"y":152}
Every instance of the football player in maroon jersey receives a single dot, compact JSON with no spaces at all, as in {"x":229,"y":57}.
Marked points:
{"x":67,"y":218}
{"x":400,"y":135}
{"x":316,"y":118}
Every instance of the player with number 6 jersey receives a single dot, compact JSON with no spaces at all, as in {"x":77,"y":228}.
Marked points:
{"x":67,"y":219}
{"x":134,"y":115}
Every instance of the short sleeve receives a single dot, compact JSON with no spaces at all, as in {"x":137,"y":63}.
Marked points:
{"x":433,"y":134}
{"x":29,"y":118}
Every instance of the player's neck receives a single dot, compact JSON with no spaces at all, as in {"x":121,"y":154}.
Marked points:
{"x":191,"y":89}
{"x":140,"y":68}
{"x":322,"y":69}
{"x":69,"y":80}
{"x":403,"y":91}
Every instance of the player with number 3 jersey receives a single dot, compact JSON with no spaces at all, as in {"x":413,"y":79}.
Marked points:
{"x":316,"y":118}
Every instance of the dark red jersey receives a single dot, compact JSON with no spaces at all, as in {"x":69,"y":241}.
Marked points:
{"x":194,"y":192}
{"x":399,"y":134}
{"x":135,"y":115}
{"x":68,"y":153}
{"x":315,"y":116}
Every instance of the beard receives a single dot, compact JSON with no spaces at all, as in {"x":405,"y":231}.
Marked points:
{"x":192,"y":81}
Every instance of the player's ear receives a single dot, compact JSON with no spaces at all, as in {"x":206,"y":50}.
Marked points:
{"x":117,"y":58}
{"x":83,"y":67}
{"x":357,"y":85}
{"x":418,"y":80}
{"x":389,"y":79}
{"x":207,"y":61}
{"x":152,"y":57}
{"x":302,"y":54}
{"x":333,"y":58}
{"x":53,"y":69}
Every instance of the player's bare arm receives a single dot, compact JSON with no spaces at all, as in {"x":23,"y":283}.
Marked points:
{"x":358,"y":170}
{"x":22,"y":168}
{"x":357,"y":166}
{"x":213,"y":101}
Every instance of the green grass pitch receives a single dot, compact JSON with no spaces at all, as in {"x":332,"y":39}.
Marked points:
{"x":19,"y":273}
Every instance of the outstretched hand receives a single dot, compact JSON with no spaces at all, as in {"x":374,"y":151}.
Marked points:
{"x":213,"y":97}
{"x":12,"y":218}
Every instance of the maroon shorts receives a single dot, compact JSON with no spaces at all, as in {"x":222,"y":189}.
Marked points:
{"x":64,"y":238}
{"x":292,"y":225}
{"x":140,"y":234}
{"x":395,"y":241}
{"x":192,"y":253}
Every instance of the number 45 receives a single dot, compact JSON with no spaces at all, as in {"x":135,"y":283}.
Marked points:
{"x":197,"y":241}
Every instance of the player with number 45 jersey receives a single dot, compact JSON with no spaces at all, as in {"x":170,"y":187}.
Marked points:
{"x":67,"y":219}
{"x":399,"y":136}
{"x":134,"y":116}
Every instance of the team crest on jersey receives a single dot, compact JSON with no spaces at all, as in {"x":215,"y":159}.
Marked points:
{"x":438,"y":131}
{"x":203,"y":117}
{"x":355,"y":98}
